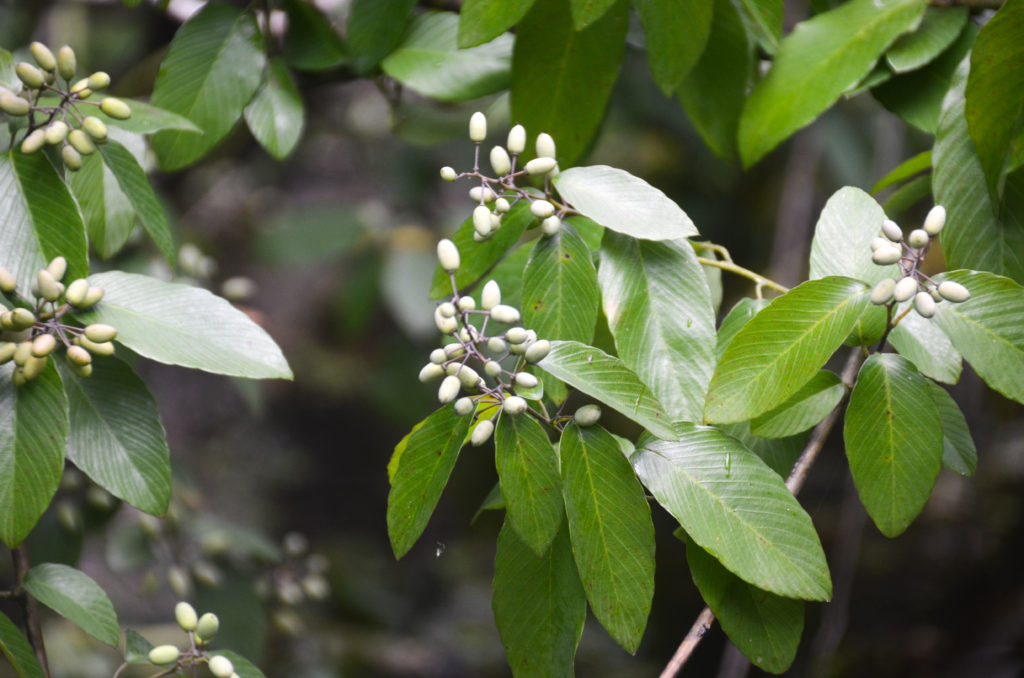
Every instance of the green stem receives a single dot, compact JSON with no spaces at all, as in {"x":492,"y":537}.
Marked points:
{"x":759,"y":280}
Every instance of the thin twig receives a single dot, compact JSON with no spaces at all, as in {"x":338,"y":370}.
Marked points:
{"x":19,"y":556}
{"x":793,"y":483}
{"x":745,"y":272}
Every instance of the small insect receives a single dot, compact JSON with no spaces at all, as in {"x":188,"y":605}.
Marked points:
{"x":439,"y":550}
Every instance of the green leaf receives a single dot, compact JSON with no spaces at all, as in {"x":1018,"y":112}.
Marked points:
{"x":40,"y":219}
{"x":429,"y":61}
{"x":567,"y":102}
{"x":586,"y":12}
{"x":483,"y":20}
{"x":779,"y":453}
{"x":939,"y":29}
{"x":311,"y":43}
{"x":478,"y":257}
{"x":763,"y":19}
{"x":212,"y":68}
{"x":611,"y":530}
{"x":658,"y":307}
{"x":136,"y":648}
{"x":995,"y":91}
{"x":822,"y":58}
{"x":765,"y":627}
{"x":893,"y":441}
{"x":803,"y":410}
{"x":109,"y":215}
{"x":976,"y":235}
{"x":492,"y":502}
{"x":922,"y":162}
{"x":958,"y":451}
{"x":375,"y":28}
{"x":676,"y":33}
{"x":908,"y":195}
{"x":849,"y":222}
{"x":8,"y":75}
{"x":539,"y":605}
{"x":528,"y":468}
{"x":922,"y":342}
{"x":33,"y":434}
{"x":15,"y":646}
{"x":243,"y":667}
{"x":426,"y":460}
{"x":782,"y":347}
{"x":988,"y":329}
{"x":622,"y":202}
{"x":715,"y":91}
{"x":738,"y":316}
{"x":183,"y":325}
{"x":917,"y":96}
{"x":74,"y":595}
{"x":276,"y":115}
{"x":145,"y":118}
{"x":737,"y":509}
{"x":116,"y":436}
{"x":606,"y":378}
{"x":132,"y":181}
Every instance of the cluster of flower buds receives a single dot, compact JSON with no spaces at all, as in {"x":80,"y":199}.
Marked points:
{"x":497,"y":195}
{"x":890,"y":247}
{"x":201,"y":631}
{"x":37,"y":331}
{"x":60,"y":122}
{"x":454,"y":363}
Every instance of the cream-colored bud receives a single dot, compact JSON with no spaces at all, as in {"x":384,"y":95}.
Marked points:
{"x":478,"y":127}
{"x":891,"y":230}
{"x":431,"y":371}
{"x":516,"y":139}
{"x":482,"y":194}
{"x":492,"y":368}
{"x":514,"y":405}
{"x":502,"y":205}
{"x":526,"y":380}
{"x":448,"y":173}
{"x":935,"y":220}
{"x":43,"y":345}
{"x":43,"y":56}
{"x":482,"y":219}
{"x":905,"y":288}
{"x":448,"y":255}
{"x":924,"y":304}
{"x":505,"y":314}
{"x":540,"y":165}
{"x":482,"y":432}
{"x":496,"y":345}
{"x":57,"y":267}
{"x":464,"y":406}
{"x":588,"y":415}
{"x":66,"y":62}
{"x":918,"y":238}
{"x":490,"y":296}
{"x":186,"y":616}
{"x":551,"y":226}
{"x":500,"y":161}
{"x":517,"y":335}
{"x":545,"y":146}
{"x":542,"y":209}
{"x":437,"y":356}
{"x":466,"y":303}
{"x":887,"y":255}
{"x":537,"y":351}
{"x":953,"y":291}
{"x":449,"y":389}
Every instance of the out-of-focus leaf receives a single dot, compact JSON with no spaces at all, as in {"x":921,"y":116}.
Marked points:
{"x":310,"y":235}
{"x":375,"y":28}
{"x":311,"y":43}
{"x":922,"y":162}
{"x":276,"y":115}
{"x":16,"y":649}
{"x":135,"y":186}
{"x":243,"y":667}
{"x":763,"y":19}
{"x":109,"y":216}
{"x":939,"y":28}
{"x":74,"y":595}
{"x":675,"y":32}
{"x":483,"y":20}
{"x":908,"y":195}
{"x":136,"y":648}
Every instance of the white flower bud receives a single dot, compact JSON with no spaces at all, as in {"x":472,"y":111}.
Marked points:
{"x":516,"y":139}
{"x":505,"y":314}
{"x":540,"y":165}
{"x":464,"y":406}
{"x":537,"y":351}
{"x":495,"y":222}
{"x":164,"y":654}
{"x":918,"y":238}
{"x":454,"y":350}
{"x":953,"y":291}
{"x":448,"y":255}
{"x":514,"y":405}
{"x":542,"y":209}
{"x":492,"y":368}
{"x":467,"y":375}
{"x":935,"y":220}
{"x":446,"y":325}
{"x":448,"y":173}
{"x":466,"y":303}
{"x":478,"y":127}
{"x":500,"y":161}
{"x":437,"y":356}
{"x":449,"y":389}
{"x":496,"y":345}
{"x":221,"y":666}
{"x":447,"y":309}
{"x":587,"y":415}
{"x":482,"y":432}
{"x":545,"y":146}
{"x":186,"y":616}
{"x":905,"y":288}
{"x":482,"y":220}
{"x":516,"y":335}
{"x":431,"y":371}
{"x":502,"y":205}
{"x":526,"y":380}
{"x":924,"y":305}
{"x":878,"y":243}
{"x":891,"y":230}
{"x":551,"y":226}
{"x":490,"y":296}
{"x":887,"y":255}
{"x":482,"y":194}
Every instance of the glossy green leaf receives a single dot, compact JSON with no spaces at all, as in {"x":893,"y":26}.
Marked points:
{"x":675,"y":32}
{"x":484,"y":20}
{"x":922,"y":162}
{"x":822,"y":58}
{"x":375,"y":28}
{"x":16,"y":649}
{"x":429,"y":61}
{"x":567,"y":102}
{"x":478,"y":257}
{"x":715,"y":90}
{"x":976,"y":235}
{"x":212,"y":69}
{"x":39,"y":218}
{"x":738,"y":316}
{"x":658,"y":307}
{"x":116,"y":436}
{"x":311,"y":43}
{"x":737,"y":509}
{"x":182,"y":325}
{"x":917,"y":96}
{"x":782,"y":347}
{"x":109,"y":215}
{"x":243,"y":667}
{"x":33,"y":434}
{"x":995,"y":91}
{"x":134,"y":184}
{"x":803,"y":410}
{"x":74,"y":595}
{"x":765,"y":627}
{"x":622,"y":202}
{"x":539,"y":605}
{"x":607,"y":378}
{"x":958,"y":451}
{"x":586,"y":12}
{"x":939,"y":29}
{"x":611,"y":530}
{"x":988,"y":329}
{"x":145,"y":118}
{"x":908,"y":195}
{"x":850,"y":220}
{"x":893,"y":441}
{"x":527,"y":465}
{"x":508,"y":273}
{"x":276,"y":115}
{"x":779,"y":453}
{"x":763,"y":19}
{"x":922,"y":342}
{"x":426,"y":460}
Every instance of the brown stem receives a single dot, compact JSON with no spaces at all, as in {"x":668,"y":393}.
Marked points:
{"x":793,"y":483}
{"x":19,"y":556}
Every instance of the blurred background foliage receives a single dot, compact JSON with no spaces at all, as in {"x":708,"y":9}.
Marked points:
{"x":278,"y":517}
